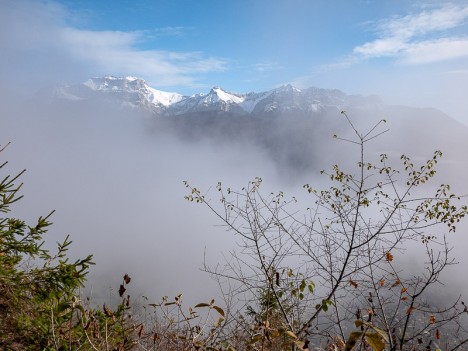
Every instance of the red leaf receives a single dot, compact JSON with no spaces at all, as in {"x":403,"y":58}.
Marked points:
{"x":121,"y":290}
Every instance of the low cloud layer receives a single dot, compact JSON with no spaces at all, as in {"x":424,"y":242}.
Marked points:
{"x":118,"y":190}
{"x":116,"y":183}
{"x":115,"y":179}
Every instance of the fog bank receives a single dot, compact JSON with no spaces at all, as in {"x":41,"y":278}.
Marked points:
{"x":115,"y":178}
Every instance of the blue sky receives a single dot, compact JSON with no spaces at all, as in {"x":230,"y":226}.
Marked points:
{"x":408,"y":52}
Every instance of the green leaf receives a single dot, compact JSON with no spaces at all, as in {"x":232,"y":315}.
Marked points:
{"x":81,"y":308}
{"x":303,"y":285}
{"x":63,"y":306}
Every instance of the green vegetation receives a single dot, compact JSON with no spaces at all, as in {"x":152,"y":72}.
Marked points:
{"x":41,"y":307}
{"x":329,"y":278}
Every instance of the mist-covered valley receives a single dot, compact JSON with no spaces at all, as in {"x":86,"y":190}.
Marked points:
{"x":122,"y":112}
{"x":114,"y":175}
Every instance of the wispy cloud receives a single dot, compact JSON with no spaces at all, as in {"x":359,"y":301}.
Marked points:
{"x":417,"y":38}
{"x":170,"y":31}
{"x":266,"y":66}
{"x":116,"y":52}
{"x":38,"y":30}
{"x":436,"y":50}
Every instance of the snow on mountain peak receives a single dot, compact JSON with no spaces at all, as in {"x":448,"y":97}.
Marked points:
{"x":133,"y":85}
{"x":163,"y":97}
{"x":287,"y":88}
{"x":135,"y":92}
{"x":227,"y":97}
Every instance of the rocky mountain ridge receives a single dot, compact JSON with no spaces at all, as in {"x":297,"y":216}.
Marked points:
{"x":136,"y":93}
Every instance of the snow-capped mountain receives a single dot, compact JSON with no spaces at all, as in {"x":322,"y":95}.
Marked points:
{"x":136,"y":93}
{"x":129,"y":91}
{"x":129,"y":85}
{"x":273,"y":119}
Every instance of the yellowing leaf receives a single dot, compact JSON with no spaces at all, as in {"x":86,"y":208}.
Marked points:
{"x":302,"y":345}
{"x":202,"y":305}
{"x":217,"y":324}
{"x":389,"y":257}
{"x":375,"y":340}
{"x":219,"y":310}
{"x":255,"y":338}
{"x":353,"y":337}
{"x":291,"y":334}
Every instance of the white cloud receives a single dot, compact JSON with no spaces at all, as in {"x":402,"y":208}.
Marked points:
{"x":435,"y":50}
{"x":380,"y":47}
{"x":425,"y":22}
{"x":418,"y":38}
{"x":115,"y":52}
{"x":32,"y":32}
{"x":266,"y":66}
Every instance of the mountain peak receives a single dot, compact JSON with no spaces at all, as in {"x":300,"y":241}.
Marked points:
{"x":135,"y":92}
{"x":222,"y":95}
{"x":111,"y":83}
{"x":288,"y":88}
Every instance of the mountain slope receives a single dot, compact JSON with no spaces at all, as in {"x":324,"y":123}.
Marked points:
{"x":136,"y":93}
{"x":293,"y":126}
